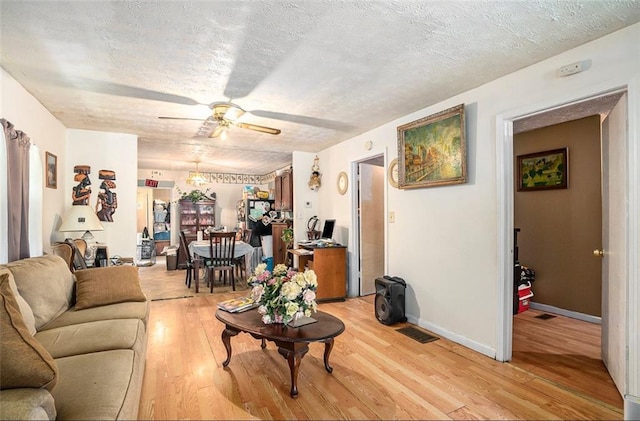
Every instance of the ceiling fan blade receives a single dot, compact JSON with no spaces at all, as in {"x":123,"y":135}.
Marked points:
{"x":302,"y":119}
{"x":217,"y":131}
{"x":180,"y":118}
{"x":257,"y":128}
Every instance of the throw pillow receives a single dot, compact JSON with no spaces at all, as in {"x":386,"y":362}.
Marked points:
{"x":25,"y":310}
{"x":108,"y":285}
{"x":24,"y":362}
{"x":46,"y":284}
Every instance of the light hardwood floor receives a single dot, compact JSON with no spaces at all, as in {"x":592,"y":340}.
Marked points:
{"x":378,"y":373}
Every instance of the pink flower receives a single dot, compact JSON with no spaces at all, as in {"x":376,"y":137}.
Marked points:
{"x":309,"y":296}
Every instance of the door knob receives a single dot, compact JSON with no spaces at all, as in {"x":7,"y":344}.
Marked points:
{"x":598,"y":253}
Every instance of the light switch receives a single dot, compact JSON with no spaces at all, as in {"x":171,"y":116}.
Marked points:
{"x":392,"y":217}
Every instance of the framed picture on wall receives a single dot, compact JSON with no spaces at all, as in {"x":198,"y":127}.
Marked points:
{"x":432,"y":150}
{"x":51,"y":173}
{"x":543,"y":170}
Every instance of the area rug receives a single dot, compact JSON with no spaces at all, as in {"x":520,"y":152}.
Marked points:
{"x":158,"y":283}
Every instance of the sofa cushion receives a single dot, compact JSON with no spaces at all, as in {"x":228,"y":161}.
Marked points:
{"x":24,"y":362}
{"x":134,"y":310}
{"x":108,"y":285}
{"x":46,"y":284}
{"x":25,"y":310}
{"x":98,"y":386}
{"x":90,"y":337}
{"x":27,"y":404}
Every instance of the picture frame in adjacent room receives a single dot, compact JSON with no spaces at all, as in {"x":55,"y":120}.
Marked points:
{"x":545,"y":170}
{"x":51,"y":170}
{"x":432,"y":151}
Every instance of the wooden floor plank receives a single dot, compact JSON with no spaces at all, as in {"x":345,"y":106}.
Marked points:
{"x":378,"y":372}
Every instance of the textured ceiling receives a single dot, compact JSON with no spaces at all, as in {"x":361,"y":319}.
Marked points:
{"x":322,"y":71}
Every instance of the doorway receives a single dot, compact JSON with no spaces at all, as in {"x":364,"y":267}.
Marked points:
{"x":616,"y":213}
{"x":370,"y":192}
{"x":559,"y":229}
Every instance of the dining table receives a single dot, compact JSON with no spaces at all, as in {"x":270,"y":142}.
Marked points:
{"x":201,"y":250}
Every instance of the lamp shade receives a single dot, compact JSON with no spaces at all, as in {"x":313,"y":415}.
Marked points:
{"x":81,"y":218}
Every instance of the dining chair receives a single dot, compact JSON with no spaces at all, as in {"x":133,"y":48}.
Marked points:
{"x":189,"y":262}
{"x":64,"y":250}
{"x":240,"y":262}
{"x":221,"y":248}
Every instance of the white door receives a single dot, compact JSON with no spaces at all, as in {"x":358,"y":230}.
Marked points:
{"x":371,"y":205}
{"x":614,"y":276}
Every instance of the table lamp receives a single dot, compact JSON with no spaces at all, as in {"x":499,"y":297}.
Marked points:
{"x":81,"y":218}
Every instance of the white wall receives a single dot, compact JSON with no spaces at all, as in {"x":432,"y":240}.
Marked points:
{"x":444,"y":240}
{"x":20,"y":108}
{"x":107,"y":151}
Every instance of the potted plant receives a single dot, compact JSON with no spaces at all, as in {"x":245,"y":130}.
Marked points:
{"x":194,"y":195}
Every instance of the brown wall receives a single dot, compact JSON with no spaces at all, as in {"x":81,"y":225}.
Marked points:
{"x":561,"y":228}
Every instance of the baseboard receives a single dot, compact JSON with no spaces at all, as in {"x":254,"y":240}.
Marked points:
{"x":459,"y":339}
{"x":568,"y":313}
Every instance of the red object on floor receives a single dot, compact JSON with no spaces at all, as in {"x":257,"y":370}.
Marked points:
{"x":524,"y":296}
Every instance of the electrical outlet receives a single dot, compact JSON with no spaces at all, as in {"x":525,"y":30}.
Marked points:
{"x":392,"y":217}
{"x":571,"y":69}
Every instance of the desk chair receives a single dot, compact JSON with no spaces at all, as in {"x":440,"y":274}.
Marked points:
{"x":221,"y":247}
{"x":189,"y":261}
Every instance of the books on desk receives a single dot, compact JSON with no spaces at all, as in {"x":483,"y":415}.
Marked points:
{"x":237,"y":305}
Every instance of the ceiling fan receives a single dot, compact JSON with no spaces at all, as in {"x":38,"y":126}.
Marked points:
{"x":224,"y":115}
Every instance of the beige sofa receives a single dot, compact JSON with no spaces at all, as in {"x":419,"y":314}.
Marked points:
{"x":73,"y":345}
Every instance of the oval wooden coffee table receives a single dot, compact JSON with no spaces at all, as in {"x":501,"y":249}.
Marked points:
{"x":293,"y":342}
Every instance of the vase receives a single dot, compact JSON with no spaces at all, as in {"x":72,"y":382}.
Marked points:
{"x":301,"y":321}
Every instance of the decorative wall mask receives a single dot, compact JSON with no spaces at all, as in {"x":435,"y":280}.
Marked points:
{"x":107,"y":199}
{"x":82,"y":192}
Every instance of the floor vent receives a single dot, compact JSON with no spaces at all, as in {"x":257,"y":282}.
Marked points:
{"x":417,"y":334}
{"x":545,"y":316}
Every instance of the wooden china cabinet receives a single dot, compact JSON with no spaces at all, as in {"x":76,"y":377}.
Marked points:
{"x":194,"y":217}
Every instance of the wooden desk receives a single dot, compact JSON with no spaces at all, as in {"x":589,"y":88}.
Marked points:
{"x":330,"y":265}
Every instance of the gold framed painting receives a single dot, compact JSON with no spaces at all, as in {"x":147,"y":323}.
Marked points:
{"x":51,"y":173}
{"x":432,"y":151}
{"x":544,"y":170}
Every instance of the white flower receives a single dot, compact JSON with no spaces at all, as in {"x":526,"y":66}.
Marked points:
{"x":260,"y":268}
{"x":299,"y":279}
{"x":266,"y":319}
{"x":290,"y":290}
{"x":280,"y":269}
{"x":307,"y":313}
{"x":311,"y":278}
{"x":262,"y":310}
{"x":292,"y":308}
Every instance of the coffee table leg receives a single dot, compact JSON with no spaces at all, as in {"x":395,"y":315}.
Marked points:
{"x":328,"y":346}
{"x":294,"y":358}
{"x":263,"y":345}
{"x":226,"y":340}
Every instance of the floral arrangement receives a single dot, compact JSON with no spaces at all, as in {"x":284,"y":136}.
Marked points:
{"x":284,"y":295}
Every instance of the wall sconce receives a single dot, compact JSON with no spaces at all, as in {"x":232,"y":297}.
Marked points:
{"x":315,"y":181}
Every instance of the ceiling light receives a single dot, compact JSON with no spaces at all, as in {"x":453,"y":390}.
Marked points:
{"x":195,"y":178}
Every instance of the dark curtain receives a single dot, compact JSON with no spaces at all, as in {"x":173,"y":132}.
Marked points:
{"x":17,"y":191}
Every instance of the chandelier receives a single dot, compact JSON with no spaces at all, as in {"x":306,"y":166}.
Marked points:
{"x":195,"y":178}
